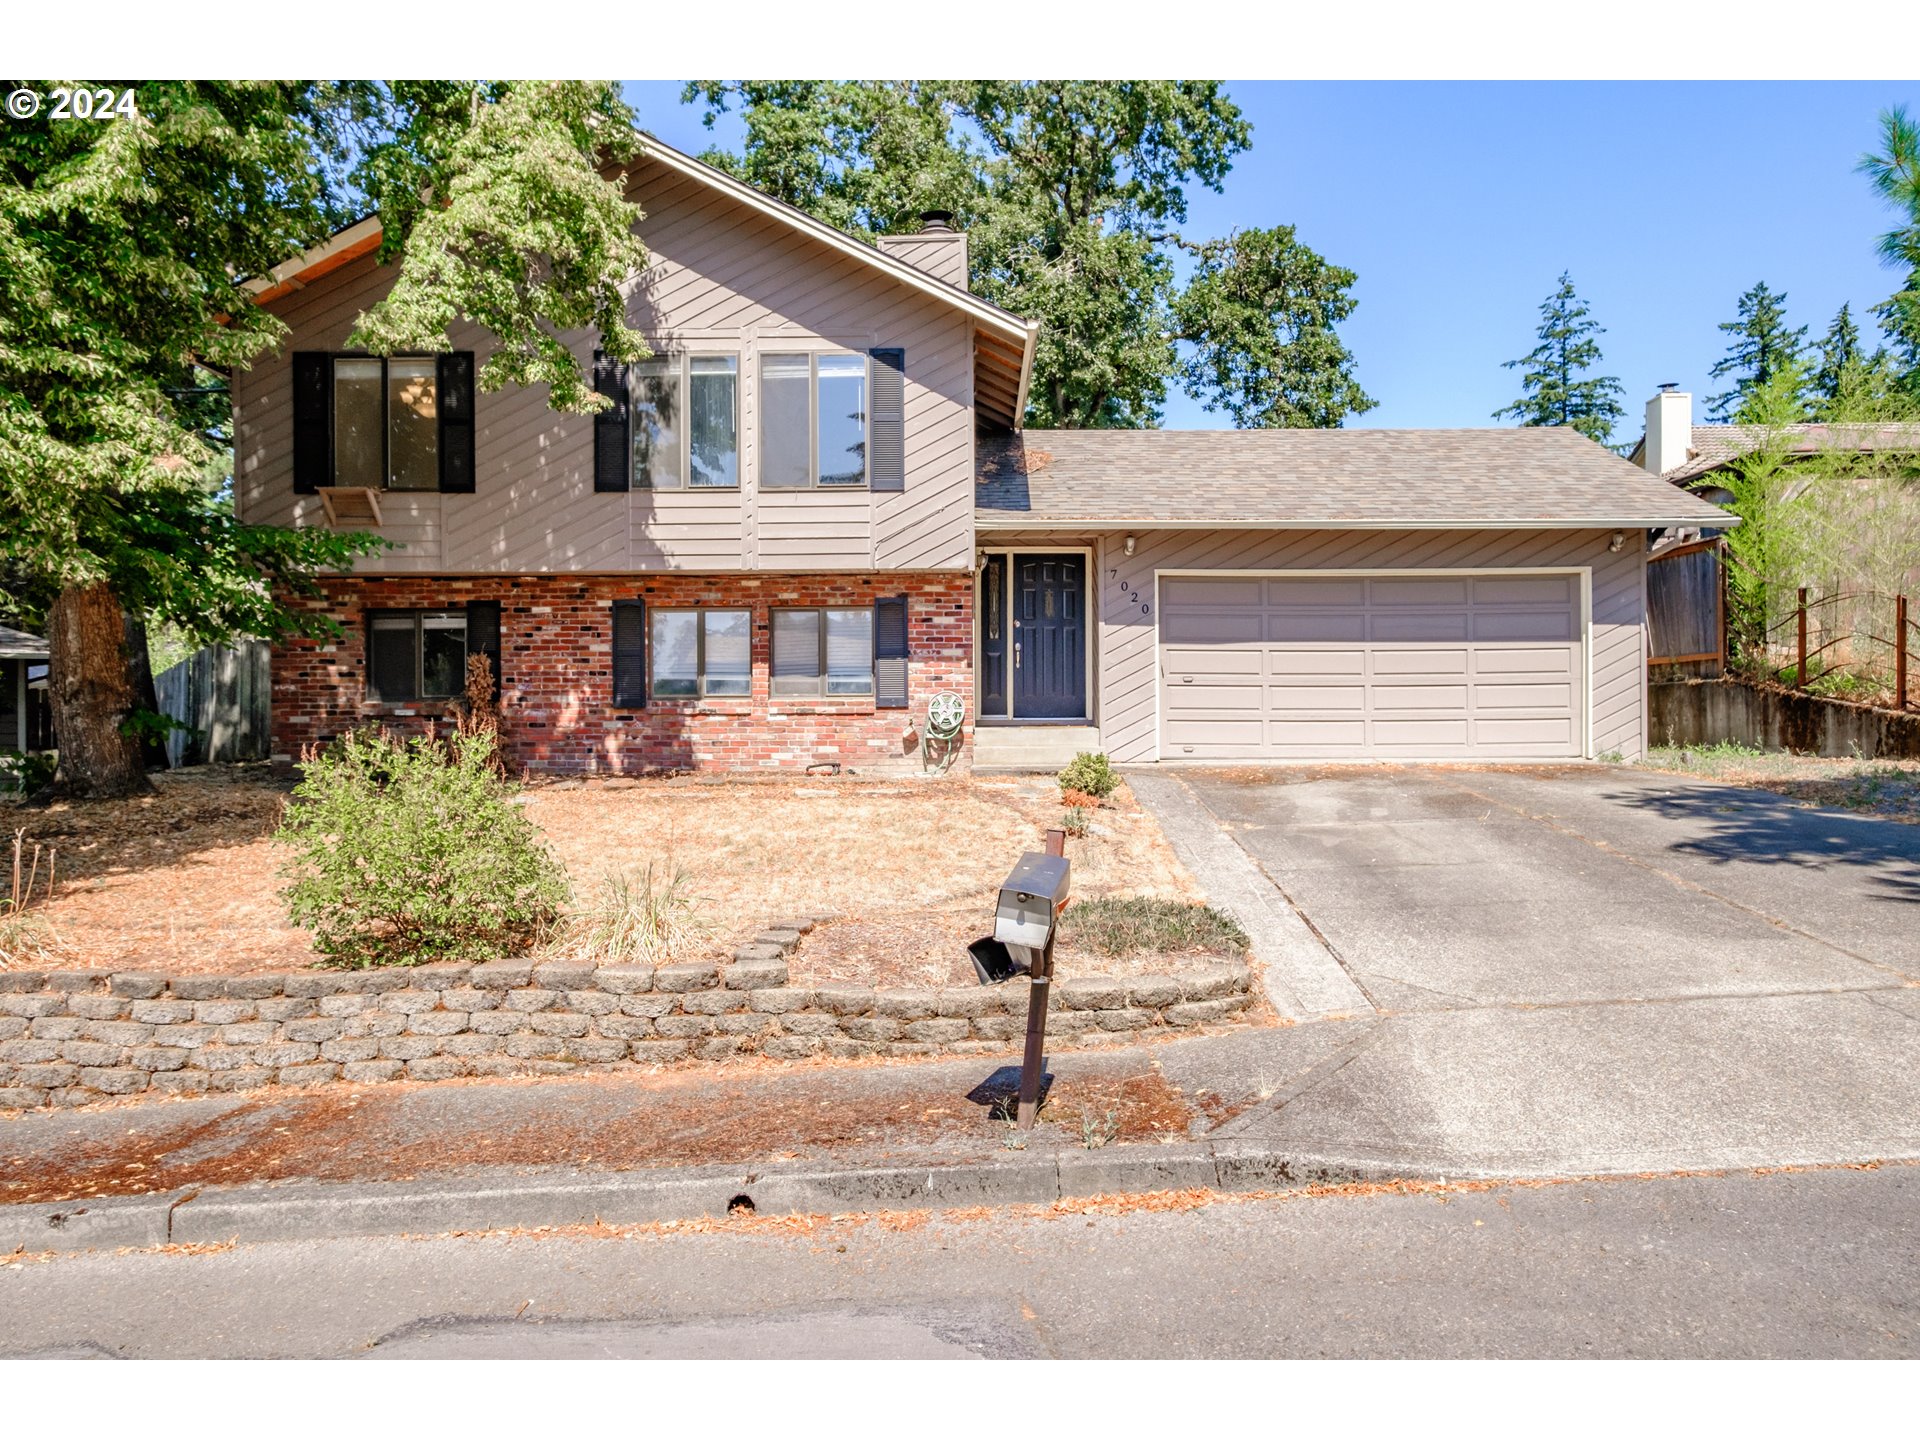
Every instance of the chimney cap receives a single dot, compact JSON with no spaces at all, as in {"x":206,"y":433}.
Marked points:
{"x":1667,"y":387}
{"x":936,"y":222}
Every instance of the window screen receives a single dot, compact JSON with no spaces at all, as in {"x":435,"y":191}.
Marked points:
{"x":713,"y":404}
{"x":784,"y":437}
{"x":842,"y":392}
{"x":357,"y":438}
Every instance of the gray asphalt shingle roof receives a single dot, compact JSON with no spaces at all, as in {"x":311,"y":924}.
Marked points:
{"x":1526,"y":478}
{"x":1711,"y":446}
{"x":19,"y":645}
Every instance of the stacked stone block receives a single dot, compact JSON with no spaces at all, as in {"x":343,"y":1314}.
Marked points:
{"x":71,"y":1037}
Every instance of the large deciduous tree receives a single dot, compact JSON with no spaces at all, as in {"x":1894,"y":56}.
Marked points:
{"x":1556,"y":387}
{"x":1072,"y":194}
{"x":124,"y":247}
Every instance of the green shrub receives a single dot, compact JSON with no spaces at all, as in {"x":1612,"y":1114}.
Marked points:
{"x":1121,"y":925}
{"x":1091,"y":774}
{"x":24,"y":774}
{"x":412,"y":850}
{"x":1076,"y":821}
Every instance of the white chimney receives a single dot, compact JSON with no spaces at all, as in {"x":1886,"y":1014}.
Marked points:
{"x":936,"y":248}
{"x":1669,"y":429}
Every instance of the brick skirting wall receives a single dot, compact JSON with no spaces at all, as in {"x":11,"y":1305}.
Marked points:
{"x":77,"y":1036}
{"x":556,"y":646}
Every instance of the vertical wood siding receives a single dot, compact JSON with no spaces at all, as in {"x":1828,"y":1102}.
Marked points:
{"x":724,"y":277}
{"x":1128,"y":657}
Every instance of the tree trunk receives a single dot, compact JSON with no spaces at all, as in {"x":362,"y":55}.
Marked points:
{"x":87,"y":683}
{"x":153,"y":751}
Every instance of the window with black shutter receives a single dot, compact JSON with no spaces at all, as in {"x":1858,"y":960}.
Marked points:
{"x":394,"y":422}
{"x":416,"y":654}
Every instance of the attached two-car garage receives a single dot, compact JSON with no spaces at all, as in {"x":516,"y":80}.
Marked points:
{"x":1414,"y":666}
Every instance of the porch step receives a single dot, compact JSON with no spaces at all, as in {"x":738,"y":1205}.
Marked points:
{"x":1043,"y":748}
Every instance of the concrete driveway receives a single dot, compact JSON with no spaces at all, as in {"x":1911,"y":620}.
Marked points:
{"x":1451,"y":888}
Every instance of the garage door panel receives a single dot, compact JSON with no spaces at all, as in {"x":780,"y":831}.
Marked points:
{"x":1421,"y":667}
{"x":1420,"y":625}
{"x":1556,"y":661}
{"x":1309,"y":626}
{"x":1345,"y":591}
{"x":1319,"y":735}
{"x":1283,"y":698}
{"x":1210,"y":627}
{"x":1387,"y":698}
{"x":1522,"y":697}
{"x":1424,"y":736}
{"x":1317,"y":662}
{"x":1182,"y":660}
{"x":1187,"y":591}
{"x":1522,"y":625}
{"x":1417,"y":592}
{"x":1543,"y":591}
{"x":1531,"y":735}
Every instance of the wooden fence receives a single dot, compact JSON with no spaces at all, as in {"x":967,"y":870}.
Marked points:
{"x":226,"y":694}
{"x":1687,"y":607}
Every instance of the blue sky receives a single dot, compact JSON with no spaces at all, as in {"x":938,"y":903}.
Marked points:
{"x":1460,"y":203}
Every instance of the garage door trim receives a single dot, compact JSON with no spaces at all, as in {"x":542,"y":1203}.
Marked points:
{"x":1584,"y":573}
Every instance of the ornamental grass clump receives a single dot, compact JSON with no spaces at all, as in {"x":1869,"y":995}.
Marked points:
{"x":410,"y":850}
{"x":646,"y":917}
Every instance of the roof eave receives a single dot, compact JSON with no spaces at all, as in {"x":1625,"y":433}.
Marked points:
{"x":1010,"y":520}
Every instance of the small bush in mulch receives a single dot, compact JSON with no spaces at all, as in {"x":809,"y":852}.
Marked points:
{"x":1121,"y":925}
{"x":1079,"y":800}
{"x":1090,"y":773}
{"x":413,"y":850}
{"x":1075,"y":821}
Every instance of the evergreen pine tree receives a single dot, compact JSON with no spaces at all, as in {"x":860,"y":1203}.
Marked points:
{"x":1762,"y":346}
{"x":1894,"y":173}
{"x":1554,"y":384}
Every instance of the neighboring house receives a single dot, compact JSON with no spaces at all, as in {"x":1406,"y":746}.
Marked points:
{"x":815,"y":510}
{"x":25,"y":717}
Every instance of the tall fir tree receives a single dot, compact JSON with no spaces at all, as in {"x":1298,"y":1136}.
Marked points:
{"x":1844,"y":366}
{"x":1554,"y":384}
{"x":1762,"y":346}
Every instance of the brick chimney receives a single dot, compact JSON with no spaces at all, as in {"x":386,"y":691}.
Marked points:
{"x":936,"y":247}
{"x":1669,"y":429}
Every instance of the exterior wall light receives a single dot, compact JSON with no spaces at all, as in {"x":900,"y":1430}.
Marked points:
{"x":1128,"y":547}
{"x":1618,"y":543}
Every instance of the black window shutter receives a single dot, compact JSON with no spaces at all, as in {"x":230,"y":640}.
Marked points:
{"x":454,"y":392}
{"x":890,"y":653}
{"x":312,"y":421}
{"x":629,"y":654}
{"x":483,"y":635}
{"x":887,"y":421}
{"x":612,"y":455}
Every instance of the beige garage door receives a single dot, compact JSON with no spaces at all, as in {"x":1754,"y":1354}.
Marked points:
{"x":1386,"y":666}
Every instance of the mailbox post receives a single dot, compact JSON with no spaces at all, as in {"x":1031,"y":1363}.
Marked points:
{"x":1027,"y":921}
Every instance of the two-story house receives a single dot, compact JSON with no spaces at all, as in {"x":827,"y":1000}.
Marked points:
{"x":814,"y":509}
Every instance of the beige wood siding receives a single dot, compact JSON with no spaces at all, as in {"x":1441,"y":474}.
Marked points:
{"x":1128,"y":699}
{"x":723,"y":277}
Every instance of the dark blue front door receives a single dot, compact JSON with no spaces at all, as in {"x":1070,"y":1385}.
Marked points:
{"x":1049,"y":637}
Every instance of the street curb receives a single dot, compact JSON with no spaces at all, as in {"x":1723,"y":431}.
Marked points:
{"x":314,"y":1211}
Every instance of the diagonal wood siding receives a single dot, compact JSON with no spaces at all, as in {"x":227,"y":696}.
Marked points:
{"x":723,"y":277}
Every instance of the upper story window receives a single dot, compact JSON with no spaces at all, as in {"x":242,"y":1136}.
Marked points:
{"x":398,"y":422}
{"x":813,"y":428}
{"x":827,"y":421}
{"x":685,"y":415}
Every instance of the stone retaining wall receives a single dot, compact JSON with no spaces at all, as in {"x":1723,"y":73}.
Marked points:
{"x":70,"y":1037}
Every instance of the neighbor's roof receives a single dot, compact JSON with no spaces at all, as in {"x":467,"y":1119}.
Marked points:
{"x":19,"y":645}
{"x":1532,"y":478}
{"x":1712,"y":446}
{"x":1003,"y":341}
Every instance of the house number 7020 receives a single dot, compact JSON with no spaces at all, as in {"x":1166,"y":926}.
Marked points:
{"x":1132,"y":595}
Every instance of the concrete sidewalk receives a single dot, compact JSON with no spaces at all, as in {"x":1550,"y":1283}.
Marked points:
{"x":1575,"y":1090}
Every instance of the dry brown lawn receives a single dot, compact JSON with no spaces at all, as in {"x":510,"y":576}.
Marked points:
{"x":186,"y":880}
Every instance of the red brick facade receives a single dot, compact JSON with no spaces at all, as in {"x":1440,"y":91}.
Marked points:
{"x":556,"y":645}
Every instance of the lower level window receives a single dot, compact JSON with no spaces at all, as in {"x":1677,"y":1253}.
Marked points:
{"x":702,"y":652}
{"x":822,"y":652}
{"x":416,"y":654}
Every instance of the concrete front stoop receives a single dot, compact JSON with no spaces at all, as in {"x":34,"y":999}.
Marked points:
{"x":1035,"y":749}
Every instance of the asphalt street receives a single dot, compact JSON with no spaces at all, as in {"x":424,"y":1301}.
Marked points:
{"x":1807,"y":1263}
